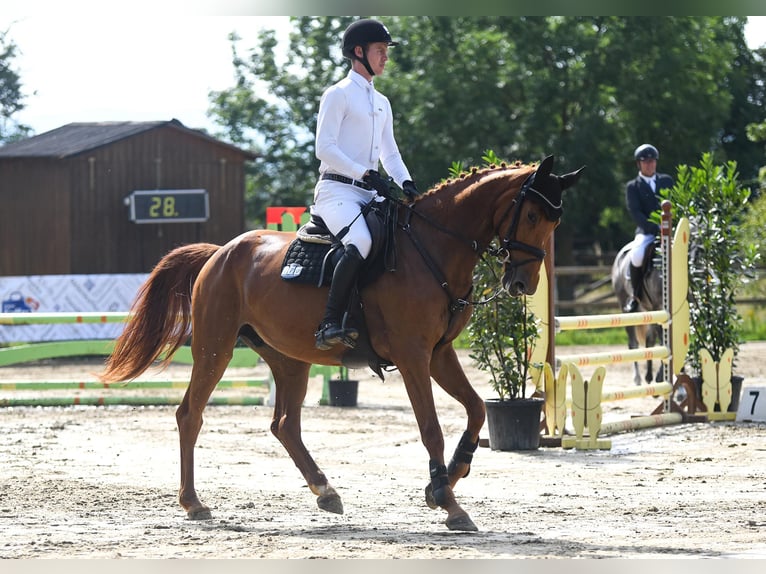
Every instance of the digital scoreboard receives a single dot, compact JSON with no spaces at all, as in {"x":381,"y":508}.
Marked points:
{"x":169,"y":206}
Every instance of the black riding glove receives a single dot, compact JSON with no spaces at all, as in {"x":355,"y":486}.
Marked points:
{"x":410,"y":190}
{"x":377,"y":182}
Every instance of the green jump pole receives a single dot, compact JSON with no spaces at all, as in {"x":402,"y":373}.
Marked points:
{"x":63,"y":317}
{"x":153,"y":384}
{"x":125,"y":401}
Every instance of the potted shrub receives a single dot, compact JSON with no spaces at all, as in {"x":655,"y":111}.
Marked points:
{"x":501,"y":335}
{"x":721,"y":259}
{"x":342,"y":390}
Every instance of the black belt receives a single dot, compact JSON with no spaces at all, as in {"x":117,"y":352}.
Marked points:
{"x":344,"y":179}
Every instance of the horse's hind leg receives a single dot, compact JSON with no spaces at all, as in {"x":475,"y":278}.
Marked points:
{"x":206,"y":372}
{"x":291,"y":382}
{"x":653,"y":336}
{"x":633,"y":344}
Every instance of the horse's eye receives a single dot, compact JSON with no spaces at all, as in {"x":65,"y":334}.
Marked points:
{"x":532,"y":217}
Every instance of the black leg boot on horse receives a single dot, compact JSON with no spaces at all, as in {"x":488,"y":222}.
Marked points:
{"x":637,"y":282}
{"x":331,"y":330}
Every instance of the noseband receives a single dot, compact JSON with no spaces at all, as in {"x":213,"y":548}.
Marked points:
{"x":508,"y":241}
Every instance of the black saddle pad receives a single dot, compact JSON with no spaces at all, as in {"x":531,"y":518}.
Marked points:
{"x":308,"y":262}
{"x":312,"y":255}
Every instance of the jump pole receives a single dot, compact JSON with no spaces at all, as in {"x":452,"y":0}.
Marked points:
{"x":123,"y":401}
{"x":234,"y":383}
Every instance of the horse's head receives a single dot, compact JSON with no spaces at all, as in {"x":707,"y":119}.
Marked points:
{"x":526,"y":224}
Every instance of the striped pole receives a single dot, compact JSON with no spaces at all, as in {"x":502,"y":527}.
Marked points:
{"x":126,"y":401}
{"x":63,"y":317}
{"x":641,"y":423}
{"x":610,"y":358}
{"x":150,"y":384}
{"x":611,"y":320}
{"x":657,"y":389}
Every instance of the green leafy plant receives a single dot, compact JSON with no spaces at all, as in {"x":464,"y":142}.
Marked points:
{"x":501,"y":334}
{"x":721,"y":257}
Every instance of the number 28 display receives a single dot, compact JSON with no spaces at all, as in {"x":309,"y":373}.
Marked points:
{"x":169,"y":205}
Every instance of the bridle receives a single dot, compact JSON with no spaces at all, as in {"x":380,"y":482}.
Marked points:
{"x":508,"y":242}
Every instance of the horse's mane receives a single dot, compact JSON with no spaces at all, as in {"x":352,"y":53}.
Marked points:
{"x":470,"y":176}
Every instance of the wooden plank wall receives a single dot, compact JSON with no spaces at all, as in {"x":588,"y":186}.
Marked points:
{"x":34,"y":217}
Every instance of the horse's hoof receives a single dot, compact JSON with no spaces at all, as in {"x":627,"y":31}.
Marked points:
{"x":330,"y":503}
{"x":462,"y":522}
{"x":430,"y":500}
{"x":202,"y":513}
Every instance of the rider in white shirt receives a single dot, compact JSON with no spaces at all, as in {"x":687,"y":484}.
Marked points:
{"x":354,"y":135}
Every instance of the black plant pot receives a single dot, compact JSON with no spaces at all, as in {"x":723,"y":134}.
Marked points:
{"x":343,"y":393}
{"x":514,"y":425}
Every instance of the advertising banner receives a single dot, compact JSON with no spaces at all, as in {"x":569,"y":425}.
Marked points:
{"x":70,"y":293}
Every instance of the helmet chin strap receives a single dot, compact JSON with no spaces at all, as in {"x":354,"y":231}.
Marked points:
{"x":364,"y":60}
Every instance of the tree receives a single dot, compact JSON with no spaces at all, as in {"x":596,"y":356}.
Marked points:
{"x":586,"y":89}
{"x":11,"y":98}
{"x":272,"y":109}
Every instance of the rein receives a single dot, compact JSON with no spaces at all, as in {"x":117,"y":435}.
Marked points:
{"x":457,"y":304}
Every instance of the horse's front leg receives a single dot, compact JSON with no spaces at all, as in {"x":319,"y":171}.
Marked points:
{"x":291,"y":382}
{"x":448,"y":373}
{"x":417,"y":381}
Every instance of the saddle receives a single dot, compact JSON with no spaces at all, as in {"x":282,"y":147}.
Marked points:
{"x":311,"y":259}
{"x":650,"y":254}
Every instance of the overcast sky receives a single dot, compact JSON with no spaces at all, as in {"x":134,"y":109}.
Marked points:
{"x":138,"y":68}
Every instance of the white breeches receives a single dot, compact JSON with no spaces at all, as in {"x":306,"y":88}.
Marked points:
{"x":338,"y":204}
{"x":637,"y":251}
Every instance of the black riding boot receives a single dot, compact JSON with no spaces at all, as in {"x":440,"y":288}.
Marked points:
{"x":331,"y":330}
{"x":637,"y":282}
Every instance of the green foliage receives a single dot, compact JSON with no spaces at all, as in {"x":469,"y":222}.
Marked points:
{"x":272,"y":110}
{"x":721,"y":257}
{"x":754,"y":226}
{"x":501,"y":333}
{"x":585,"y":88}
{"x":456,"y":169}
{"x":11,"y":98}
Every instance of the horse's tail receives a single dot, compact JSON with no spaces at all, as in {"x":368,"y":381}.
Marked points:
{"x":161,"y":314}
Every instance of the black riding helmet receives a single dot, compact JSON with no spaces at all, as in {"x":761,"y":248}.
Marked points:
{"x":361,"y":33}
{"x":646,"y":151}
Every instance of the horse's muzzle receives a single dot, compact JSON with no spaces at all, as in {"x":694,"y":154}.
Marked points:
{"x":517,"y":283}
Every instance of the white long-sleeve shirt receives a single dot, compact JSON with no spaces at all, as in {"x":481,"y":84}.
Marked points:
{"x":355,"y":131}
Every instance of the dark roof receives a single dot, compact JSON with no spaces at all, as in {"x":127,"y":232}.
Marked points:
{"x":73,"y":139}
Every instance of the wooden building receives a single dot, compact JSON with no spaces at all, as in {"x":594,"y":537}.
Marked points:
{"x":69,"y":201}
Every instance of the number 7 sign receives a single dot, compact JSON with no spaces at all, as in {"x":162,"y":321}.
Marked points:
{"x":752,"y":405}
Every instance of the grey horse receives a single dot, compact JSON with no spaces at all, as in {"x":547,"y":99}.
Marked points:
{"x":651,"y":300}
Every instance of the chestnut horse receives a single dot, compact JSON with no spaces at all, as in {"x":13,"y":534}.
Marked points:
{"x":413,"y":315}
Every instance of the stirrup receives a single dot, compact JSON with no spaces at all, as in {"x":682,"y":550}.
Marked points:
{"x":331,"y":334}
{"x":631,"y":306}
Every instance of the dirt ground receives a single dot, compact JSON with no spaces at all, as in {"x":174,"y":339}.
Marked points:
{"x":101,"y":482}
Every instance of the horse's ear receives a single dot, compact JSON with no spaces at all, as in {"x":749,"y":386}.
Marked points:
{"x":545,"y":167}
{"x":570,"y":179}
